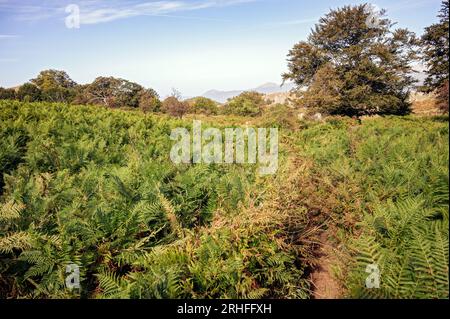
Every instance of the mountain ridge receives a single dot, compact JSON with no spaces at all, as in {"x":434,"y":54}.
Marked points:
{"x":266,"y":88}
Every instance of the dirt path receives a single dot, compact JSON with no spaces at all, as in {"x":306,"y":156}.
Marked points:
{"x":323,"y":283}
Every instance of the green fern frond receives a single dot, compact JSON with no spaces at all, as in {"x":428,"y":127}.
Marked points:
{"x":111,"y":285}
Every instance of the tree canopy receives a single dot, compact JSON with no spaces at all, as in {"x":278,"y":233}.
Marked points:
{"x":55,"y":86}
{"x":149,"y":101}
{"x":349,"y":66}
{"x":29,"y":92}
{"x":435,"y":43}
{"x":203,"y":105}
{"x":246,"y":104}
{"x":114,"y":92}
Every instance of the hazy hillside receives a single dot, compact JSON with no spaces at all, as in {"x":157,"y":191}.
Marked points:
{"x":267,"y":88}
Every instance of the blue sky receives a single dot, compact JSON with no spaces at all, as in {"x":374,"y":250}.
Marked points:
{"x":193,"y":46}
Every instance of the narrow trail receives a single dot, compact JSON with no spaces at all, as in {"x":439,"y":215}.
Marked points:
{"x":324,"y":285}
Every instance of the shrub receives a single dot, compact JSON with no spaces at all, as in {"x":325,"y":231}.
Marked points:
{"x":281,"y":116}
{"x":245,"y":104}
{"x":94,"y":187}
{"x":203,"y":105}
{"x":174,"y":107}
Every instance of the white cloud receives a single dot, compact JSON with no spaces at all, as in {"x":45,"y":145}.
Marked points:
{"x":156,"y":8}
{"x":97,"y":11}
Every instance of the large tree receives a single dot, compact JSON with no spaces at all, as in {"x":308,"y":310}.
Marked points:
{"x":149,"y":101}
{"x":29,"y":92}
{"x":353,"y":64}
{"x":113,"y":92}
{"x":436,"y":55}
{"x":55,"y":85}
{"x":7,"y":94}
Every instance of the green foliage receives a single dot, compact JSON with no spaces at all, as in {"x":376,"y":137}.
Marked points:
{"x":149,"y":101}
{"x":280,"y":116}
{"x":56,"y":86}
{"x":29,"y":93}
{"x":349,"y":67}
{"x":96,"y":187}
{"x":113,"y":92}
{"x":435,"y":42}
{"x":203,"y":105}
{"x":7,"y":94}
{"x":245,"y":104}
{"x":390,"y":178}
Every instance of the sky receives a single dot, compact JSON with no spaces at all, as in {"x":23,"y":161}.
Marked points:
{"x":191,"y":45}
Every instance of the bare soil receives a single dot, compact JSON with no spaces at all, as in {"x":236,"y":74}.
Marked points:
{"x":325,"y":286}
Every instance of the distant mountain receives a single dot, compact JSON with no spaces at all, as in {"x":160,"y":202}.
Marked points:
{"x":267,"y":88}
{"x":221,"y":96}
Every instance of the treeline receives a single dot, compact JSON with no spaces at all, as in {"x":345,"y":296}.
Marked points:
{"x":57,"y":86}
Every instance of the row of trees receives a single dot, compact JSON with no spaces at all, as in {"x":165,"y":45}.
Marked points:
{"x":355,"y":63}
{"x":57,"y":86}
{"x":248,"y":103}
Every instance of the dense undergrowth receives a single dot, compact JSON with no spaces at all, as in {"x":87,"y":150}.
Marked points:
{"x":96,"y":187}
{"x":383,"y":189}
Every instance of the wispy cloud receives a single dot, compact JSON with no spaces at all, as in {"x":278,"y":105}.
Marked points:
{"x":108,"y":13}
{"x":98,"y":11}
{"x":8,"y":36}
